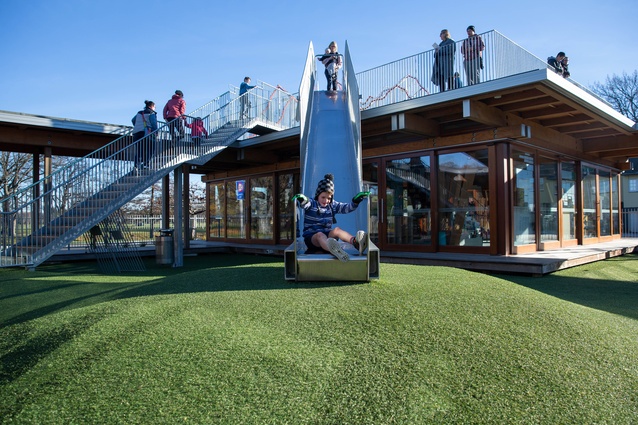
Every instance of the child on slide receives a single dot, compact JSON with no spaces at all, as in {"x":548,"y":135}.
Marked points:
{"x":318,"y":233}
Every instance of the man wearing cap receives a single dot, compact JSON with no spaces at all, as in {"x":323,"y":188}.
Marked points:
{"x":173,"y":114}
{"x":472,"y":51}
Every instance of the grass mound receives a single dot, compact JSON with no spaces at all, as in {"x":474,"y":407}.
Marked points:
{"x":226,"y":340}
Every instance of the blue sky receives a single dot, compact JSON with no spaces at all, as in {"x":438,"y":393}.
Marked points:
{"x":99,"y":60}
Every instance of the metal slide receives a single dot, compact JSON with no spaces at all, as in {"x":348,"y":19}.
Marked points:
{"x":331,"y":143}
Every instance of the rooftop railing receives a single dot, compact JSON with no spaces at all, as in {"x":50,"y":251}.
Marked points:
{"x":412,"y":77}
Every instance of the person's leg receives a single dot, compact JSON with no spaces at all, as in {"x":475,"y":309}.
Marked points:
{"x":138,"y":148}
{"x":339,"y":233}
{"x":171,"y":129}
{"x":467,"y":66}
{"x":328,"y":78}
{"x":320,"y":240}
{"x":180,"y":126}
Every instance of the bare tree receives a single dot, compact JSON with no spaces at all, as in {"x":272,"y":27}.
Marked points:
{"x":15,"y":172}
{"x":621,"y":91}
{"x":197,"y":194}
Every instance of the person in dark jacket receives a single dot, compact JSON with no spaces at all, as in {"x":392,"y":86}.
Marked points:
{"x":555,"y":63}
{"x":144,"y":124}
{"x":244,"y":102}
{"x":332,"y":61}
{"x":443,"y":70}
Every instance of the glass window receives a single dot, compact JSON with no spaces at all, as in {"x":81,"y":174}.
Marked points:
{"x":633,"y":184}
{"x":216,"y":210}
{"x":590,"y":228}
{"x":288,"y":186}
{"x":605,"y":202}
{"x":261,"y":207}
{"x":568,"y":182}
{"x":615,"y":216}
{"x":236,"y":216}
{"x":371,"y":183}
{"x":408,"y":200}
{"x":523,"y":199}
{"x":548,"y":198}
{"x":463,"y":188}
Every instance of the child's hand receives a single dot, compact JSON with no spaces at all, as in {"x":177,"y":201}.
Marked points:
{"x":301,"y":199}
{"x":360,"y":197}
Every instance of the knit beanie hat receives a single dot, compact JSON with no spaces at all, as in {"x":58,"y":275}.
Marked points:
{"x":325,"y":185}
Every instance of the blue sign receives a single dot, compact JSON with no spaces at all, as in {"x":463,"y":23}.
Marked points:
{"x":239,"y":189}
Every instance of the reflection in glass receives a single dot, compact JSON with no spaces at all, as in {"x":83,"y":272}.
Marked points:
{"x":605,"y":202}
{"x":261,"y":207}
{"x":236,"y":217}
{"x":590,"y":228}
{"x":371,"y":183}
{"x":548,"y":199}
{"x":408,"y":201}
{"x":568,"y":182}
{"x":615,"y":216}
{"x":463,"y":188}
{"x":288,"y":186}
{"x":524,"y":217}
{"x":216,"y":210}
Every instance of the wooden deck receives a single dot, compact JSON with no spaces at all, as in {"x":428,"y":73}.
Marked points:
{"x":537,"y":264}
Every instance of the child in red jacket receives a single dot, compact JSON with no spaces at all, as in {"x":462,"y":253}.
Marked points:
{"x":198,"y":131}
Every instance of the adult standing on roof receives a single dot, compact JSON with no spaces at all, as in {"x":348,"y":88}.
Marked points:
{"x":244,"y":102}
{"x":174,"y":114}
{"x":444,"y":53}
{"x":472,"y":51}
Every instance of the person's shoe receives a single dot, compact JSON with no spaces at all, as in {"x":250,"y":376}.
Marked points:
{"x":337,"y":251}
{"x":361,"y":241}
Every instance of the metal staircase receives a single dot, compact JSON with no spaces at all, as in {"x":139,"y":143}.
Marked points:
{"x":114,"y":246}
{"x":50,"y":214}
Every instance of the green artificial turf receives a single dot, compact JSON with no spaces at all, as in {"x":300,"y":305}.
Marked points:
{"x":226,"y":340}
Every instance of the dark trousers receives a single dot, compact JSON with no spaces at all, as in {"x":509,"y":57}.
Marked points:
{"x":175,"y":125}
{"x":332,"y":80}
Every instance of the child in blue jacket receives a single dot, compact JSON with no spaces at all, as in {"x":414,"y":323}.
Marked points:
{"x":318,"y":233}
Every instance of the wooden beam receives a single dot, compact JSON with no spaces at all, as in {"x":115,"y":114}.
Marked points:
{"x":510,"y":132}
{"x":415,"y":124}
{"x":622,"y":153}
{"x":257,"y":156}
{"x":624,"y":166}
{"x":481,"y":113}
{"x":610,"y":144}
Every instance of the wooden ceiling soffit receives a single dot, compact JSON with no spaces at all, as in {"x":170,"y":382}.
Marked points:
{"x":528,"y":104}
{"x":582,"y":127}
{"x":607,"y":144}
{"x":598,"y":133}
{"x":415,"y":124}
{"x":566,"y":120}
{"x":484,"y":114}
{"x":548,"y":111}
{"x":512,"y":96}
{"x":580,"y":108}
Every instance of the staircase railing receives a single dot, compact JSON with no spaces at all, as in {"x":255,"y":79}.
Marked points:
{"x":42,"y":218}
